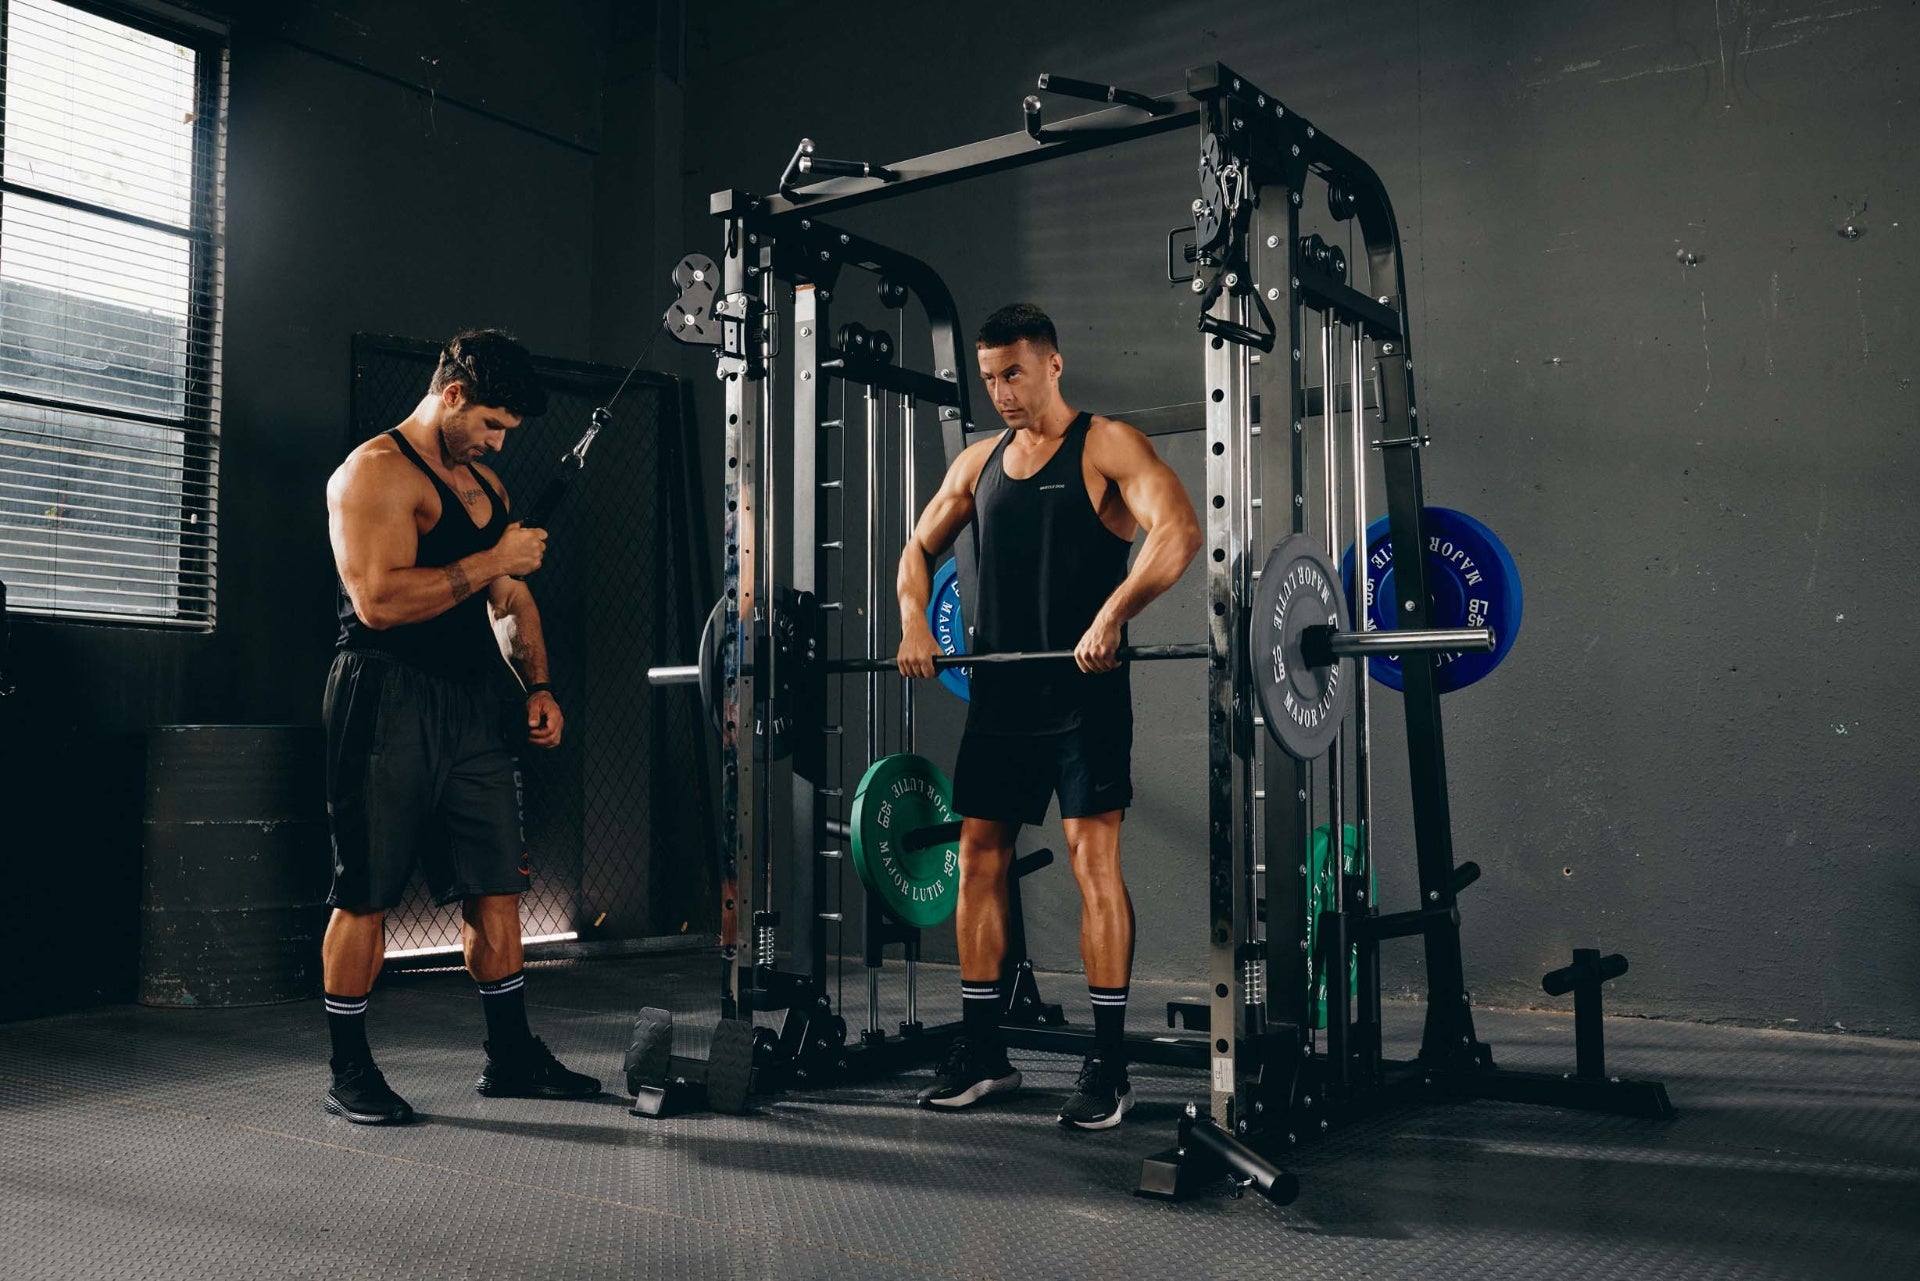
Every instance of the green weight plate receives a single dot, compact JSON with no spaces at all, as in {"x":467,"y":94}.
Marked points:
{"x":1320,"y":898}
{"x":897,"y":796}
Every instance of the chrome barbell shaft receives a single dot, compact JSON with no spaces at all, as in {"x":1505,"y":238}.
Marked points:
{"x":1437,"y":640}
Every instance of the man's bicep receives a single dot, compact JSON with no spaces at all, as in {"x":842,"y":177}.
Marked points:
{"x":951,"y":508}
{"x":942,"y":521}
{"x":1155,"y":494}
{"x":1150,"y":488}
{"x":373,"y":528}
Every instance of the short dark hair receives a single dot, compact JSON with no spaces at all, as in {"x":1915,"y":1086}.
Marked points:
{"x":495,"y":369}
{"x":1015,"y":321}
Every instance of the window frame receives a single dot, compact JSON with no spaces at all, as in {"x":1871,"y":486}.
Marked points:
{"x":199,"y":424}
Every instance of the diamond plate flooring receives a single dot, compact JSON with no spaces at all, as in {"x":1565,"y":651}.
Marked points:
{"x":165,"y":1143}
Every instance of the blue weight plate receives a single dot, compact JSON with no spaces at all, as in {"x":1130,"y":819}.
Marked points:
{"x":1471,"y":580}
{"x":949,"y":627}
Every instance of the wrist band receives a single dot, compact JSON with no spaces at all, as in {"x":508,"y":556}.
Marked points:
{"x":539,"y":687}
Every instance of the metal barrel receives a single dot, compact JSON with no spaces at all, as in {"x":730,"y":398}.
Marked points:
{"x":236,"y":866}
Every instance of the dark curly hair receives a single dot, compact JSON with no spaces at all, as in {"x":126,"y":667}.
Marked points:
{"x":1015,"y":321}
{"x":495,"y":369}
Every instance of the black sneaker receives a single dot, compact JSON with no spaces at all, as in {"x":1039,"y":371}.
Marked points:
{"x":968,"y":1075}
{"x":1101,"y":1096}
{"x":530,"y":1071}
{"x":361,"y":1095}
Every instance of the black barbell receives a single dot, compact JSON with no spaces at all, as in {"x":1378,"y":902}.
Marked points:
{"x":1295,"y":634}
{"x":1335,"y":644}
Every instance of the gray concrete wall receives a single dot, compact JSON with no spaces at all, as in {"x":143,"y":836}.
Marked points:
{"x":1701,"y":752}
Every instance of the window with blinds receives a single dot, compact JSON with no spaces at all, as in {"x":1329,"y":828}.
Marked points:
{"x":111,"y":132}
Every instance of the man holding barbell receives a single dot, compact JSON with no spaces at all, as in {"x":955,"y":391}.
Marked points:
{"x":418,"y":768}
{"x":1059,"y":498}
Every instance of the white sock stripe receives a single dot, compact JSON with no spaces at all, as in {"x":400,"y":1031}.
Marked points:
{"x":347,"y":1007}
{"x":513,"y":984}
{"x":1108,"y":1000}
{"x":980,"y":993}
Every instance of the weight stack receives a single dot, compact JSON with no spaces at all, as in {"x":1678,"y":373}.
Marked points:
{"x":237,"y":865}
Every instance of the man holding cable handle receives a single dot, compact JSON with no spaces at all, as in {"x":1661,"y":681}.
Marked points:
{"x":418,"y":766}
{"x":1059,"y":498}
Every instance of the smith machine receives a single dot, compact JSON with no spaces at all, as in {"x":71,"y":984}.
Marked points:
{"x":1293,"y":929}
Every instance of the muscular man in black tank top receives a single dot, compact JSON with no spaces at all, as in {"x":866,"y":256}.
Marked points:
{"x":1058,"y":499}
{"x":419,"y":771}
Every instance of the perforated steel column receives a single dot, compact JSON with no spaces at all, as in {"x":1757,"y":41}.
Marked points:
{"x":1230,"y":853}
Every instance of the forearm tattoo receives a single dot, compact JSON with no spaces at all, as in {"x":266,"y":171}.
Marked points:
{"x":457,"y":580}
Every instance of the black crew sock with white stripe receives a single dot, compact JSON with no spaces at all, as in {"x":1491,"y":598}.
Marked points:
{"x":980,"y":1016}
{"x":347,"y":1025}
{"x":505,"y":1003}
{"x":1109,"y":1022}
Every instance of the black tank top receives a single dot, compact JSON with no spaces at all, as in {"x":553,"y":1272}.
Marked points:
{"x":1046,"y":566}
{"x":459,"y":644}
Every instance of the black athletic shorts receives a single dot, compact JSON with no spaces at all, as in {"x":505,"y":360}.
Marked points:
{"x":419,"y":773}
{"x":1011,"y":777}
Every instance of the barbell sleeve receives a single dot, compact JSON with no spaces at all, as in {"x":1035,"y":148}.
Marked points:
{"x":673,"y":676}
{"x":1436,"y":640}
{"x":1320,"y":645}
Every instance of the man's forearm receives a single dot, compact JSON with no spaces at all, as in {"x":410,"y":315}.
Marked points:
{"x":529,"y":641}
{"x":1163,"y":557}
{"x":913,"y":585}
{"x":415,"y":595}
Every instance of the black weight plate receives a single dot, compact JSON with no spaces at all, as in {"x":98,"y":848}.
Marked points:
{"x":1303,"y":706}
{"x":714,"y":636}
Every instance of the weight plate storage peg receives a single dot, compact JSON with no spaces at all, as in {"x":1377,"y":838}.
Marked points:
{"x":945,"y":617}
{"x":1303,"y":704}
{"x":897,"y":797}
{"x":1471,"y":582}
